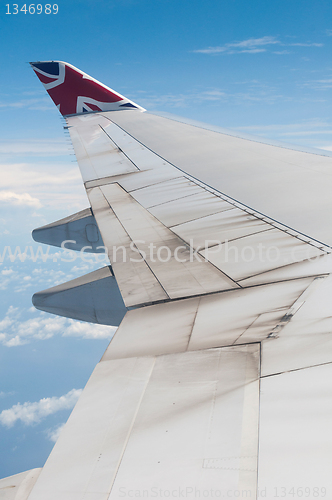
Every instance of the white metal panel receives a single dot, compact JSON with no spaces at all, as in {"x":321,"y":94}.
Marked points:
{"x":220,"y":227}
{"x":165,"y":191}
{"x":174,"y":421}
{"x":87,"y":455}
{"x":136,"y":152}
{"x":136,"y":281}
{"x":262,"y":326}
{"x":138,"y":179}
{"x":199,"y":414}
{"x":295,"y":434}
{"x":97,"y":143}
{"x":144,"y":158}
{"x":96,"y":154}
{"x":153,"y":330}
{"x":120,"y":137}
{"x":170,"y":261}
{"x":235,"y":317}
{"x":104,"y":150}
{"x":274,"y":180}
{"x":321,"y":264}
{"x":307,"y":339}
{"x":189,"y":208}
{"x":222,"y":318}
{"x":258,"y":253}
{"x":249,"y":256}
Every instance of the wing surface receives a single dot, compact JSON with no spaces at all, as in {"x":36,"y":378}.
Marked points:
{"x":207,"y":241}
{"x":227,"y":312}
{"x":288,"y":185}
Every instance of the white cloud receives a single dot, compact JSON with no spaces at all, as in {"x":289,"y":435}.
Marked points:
{"x":257,"y":92}
{"x":13,"y":341}
{"x":318,"y":130}
{"x":7,"y":272}
{"x":213,"y":95}
{"x":254,"y":42}
{"x":251,"y":45}
{"x":323,"y":84}
{"x":55,"y":184}
{"x":308,"y":44}
{"x":54,"y":433}
{"x":25,"y":199}
{"x":30,"y":175}
{"x":14,"y":332}
{"x":42,"y":104}
{"x":5,"y":284}
{"x":88,"y":331}
{"x":281,"y":52}
{"x":18,"y":280}
{"x":306,"y":128}
{"x":5,"y":394}
{"x":254,"y":46}
{"x":8,"y":320}
{"x":43,"y":147}
{"x":33,"y":413}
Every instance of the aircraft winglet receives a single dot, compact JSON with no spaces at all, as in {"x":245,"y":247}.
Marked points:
{"x":75,"y":92}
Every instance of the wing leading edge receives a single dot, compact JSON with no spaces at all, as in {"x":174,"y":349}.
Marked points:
{"x":239,"y":302}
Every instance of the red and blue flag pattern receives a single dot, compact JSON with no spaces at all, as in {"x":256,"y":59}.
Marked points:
{"x":75,"y":92}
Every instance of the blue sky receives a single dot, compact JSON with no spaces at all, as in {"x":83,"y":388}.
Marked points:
{"x":259,"y":67}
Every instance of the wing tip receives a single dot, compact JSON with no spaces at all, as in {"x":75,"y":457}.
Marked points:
{"x":75,"y":92}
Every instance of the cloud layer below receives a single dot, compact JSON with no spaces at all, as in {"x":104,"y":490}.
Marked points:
{"x":9,"y":197}
{"x":14,"y":332}
{"x":33,"y":413}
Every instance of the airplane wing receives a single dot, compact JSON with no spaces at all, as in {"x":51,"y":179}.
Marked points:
{"x":217,"y":382}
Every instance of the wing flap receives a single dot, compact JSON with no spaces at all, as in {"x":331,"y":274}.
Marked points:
{"x":136,"y":281}
{"x":151,"y":247}
{"x":222,"y":319}
{"x":226,"y":225}
{"x":253,"y":255}
{"x":168,"y":422}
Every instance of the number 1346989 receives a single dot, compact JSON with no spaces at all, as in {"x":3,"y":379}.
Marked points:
{"x":32,"y":8}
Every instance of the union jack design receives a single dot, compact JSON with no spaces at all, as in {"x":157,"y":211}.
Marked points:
{"x":75,"y":92}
